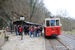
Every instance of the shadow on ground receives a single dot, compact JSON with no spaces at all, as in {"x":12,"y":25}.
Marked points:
{"x":51,"y":37}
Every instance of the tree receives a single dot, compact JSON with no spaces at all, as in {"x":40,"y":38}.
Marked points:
{"x":67,"y":22}
{"x":32,"y":8}
{"x":62,"y":13}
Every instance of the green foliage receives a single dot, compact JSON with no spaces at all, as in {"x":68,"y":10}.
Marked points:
{"x":32,"y":7}
{"x":68,"y":24}
{"x":7,"y":17}
{"x":2,"y":23}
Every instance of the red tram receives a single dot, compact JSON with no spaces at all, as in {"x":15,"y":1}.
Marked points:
{"x":52,"y":27}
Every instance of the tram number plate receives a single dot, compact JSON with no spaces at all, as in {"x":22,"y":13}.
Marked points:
{"x":53,"y":31}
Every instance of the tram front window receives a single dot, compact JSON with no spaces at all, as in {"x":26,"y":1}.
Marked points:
{"x":57,"y":22}
{"x":47,"y":23}
{"x":52,"y":22}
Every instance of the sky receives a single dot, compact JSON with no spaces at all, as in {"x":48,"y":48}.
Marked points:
{"x":54,"y":5}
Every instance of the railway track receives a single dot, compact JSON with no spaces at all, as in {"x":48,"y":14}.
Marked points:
{"x":69,"y":36}
{"x":54,"y":48}
{"x":63,"y":44}
{"x":57,"y":44}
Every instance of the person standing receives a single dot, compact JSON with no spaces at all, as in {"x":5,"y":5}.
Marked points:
{"x":16,"y":29}
{"x":25,"y":29}
{"x":38,"y":30}
{"x":11,"y":26}
{"x":41,"y":30}
{"x":28,"y":30}
{"x":34,"y":31}
{"x":20,"y":30}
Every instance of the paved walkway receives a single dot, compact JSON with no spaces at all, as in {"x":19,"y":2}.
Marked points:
{"x":15,"y":43}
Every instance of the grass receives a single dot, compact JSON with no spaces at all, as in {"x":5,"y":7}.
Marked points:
{"x":70,"y":32}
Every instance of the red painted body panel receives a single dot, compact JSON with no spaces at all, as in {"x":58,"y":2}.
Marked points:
{"x":48,"y":31}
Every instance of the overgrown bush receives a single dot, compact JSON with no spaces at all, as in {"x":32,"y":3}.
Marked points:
{"x":7,"y":17}
{"x":2,"y":23}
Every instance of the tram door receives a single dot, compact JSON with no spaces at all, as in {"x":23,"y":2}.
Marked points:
{"x":47,"y":28}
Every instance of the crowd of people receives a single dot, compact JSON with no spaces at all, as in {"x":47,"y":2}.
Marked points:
{"x":29,"y":30}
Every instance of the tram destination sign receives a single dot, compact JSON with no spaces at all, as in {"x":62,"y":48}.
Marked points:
{"x":52,"y":18}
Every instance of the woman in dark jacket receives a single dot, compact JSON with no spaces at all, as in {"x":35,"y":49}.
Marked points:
{"x":25,"y":29}
{"x":38,"y":30}
{"x":16,"y":29}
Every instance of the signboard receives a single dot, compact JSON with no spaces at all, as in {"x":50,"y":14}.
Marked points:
{"x":52,"y":21}
{"x":22,"y":18}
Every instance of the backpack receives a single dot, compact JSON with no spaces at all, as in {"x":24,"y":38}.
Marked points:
{"x":20,"y":29}
{"x":31,"y":29}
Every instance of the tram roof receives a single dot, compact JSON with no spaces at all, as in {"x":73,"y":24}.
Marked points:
{"x":51,"y":18}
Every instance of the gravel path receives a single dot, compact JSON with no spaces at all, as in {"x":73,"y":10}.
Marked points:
{"x":15,"y":43}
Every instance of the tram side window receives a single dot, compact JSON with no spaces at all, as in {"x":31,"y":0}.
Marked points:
{"x":57,"y":22}
{"x":47,"y":23}
{"x":52,"y":22}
